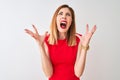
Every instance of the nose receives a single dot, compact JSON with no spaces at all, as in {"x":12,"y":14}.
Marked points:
{"x":63,"y":16}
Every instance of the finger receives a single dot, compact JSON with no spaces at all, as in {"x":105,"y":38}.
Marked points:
{"x":87,"y":28}
{"x":46,"y":33}
{"x":35,"y":29}
{"x":29,"y":32}
{"x":93,"y":29}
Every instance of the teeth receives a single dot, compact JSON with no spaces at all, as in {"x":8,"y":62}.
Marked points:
{"x":63,"y":22}
{"x":63,"y":25}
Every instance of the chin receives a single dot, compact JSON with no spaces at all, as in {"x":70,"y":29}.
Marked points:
{"x":62,"y":31}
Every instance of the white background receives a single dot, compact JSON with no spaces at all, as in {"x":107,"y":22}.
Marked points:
{"x":19,"y":53}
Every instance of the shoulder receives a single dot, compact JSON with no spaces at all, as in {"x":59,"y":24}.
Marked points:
{"x":78,"y":36}
{"x":46,"y":39}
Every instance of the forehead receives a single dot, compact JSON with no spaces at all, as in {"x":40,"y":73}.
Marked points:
{"x":65,"y":10}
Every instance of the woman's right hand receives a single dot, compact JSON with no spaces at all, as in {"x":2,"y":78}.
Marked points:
{"x":36,"y":36}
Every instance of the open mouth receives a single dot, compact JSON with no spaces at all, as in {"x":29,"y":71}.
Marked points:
{"x":63,"y":25}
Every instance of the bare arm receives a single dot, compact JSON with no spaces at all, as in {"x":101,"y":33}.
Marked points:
{"x":46,"y":63}
{"x":80,"y":62}
{"x":82,"y":50}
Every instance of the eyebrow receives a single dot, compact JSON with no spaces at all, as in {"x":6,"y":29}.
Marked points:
{"x":66,"y":12}
{"x":60,"y":12}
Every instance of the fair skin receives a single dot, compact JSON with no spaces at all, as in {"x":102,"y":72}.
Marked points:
{"x":43,"y":49}
{"x":81,"y":55}
{"x":63,"y":15}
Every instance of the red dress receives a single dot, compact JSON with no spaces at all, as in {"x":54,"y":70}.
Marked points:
{"x":63,"y":59}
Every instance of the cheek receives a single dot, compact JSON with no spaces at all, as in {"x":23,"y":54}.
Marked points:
{"x":57,"y":21}
{"x":70,"y":22}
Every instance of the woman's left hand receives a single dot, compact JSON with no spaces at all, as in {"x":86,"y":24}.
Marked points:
{"x":85,"y":39}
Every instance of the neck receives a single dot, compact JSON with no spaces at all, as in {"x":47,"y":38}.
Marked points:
{"x":62,"y":35}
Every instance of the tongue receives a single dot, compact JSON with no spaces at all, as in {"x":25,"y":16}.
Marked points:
{"x":63,"y":26}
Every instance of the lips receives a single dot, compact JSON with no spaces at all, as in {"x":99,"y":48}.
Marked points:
{"x":63,"y":24}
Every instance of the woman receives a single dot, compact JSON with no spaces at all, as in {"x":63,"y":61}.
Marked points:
{"x":63,"y":51}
